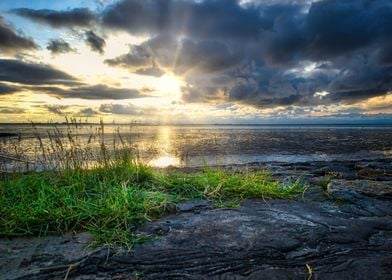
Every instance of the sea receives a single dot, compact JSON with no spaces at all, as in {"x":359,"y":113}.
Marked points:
{"x":199,"y":145}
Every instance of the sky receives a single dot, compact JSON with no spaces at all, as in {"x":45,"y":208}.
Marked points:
{"x":196,"y":61}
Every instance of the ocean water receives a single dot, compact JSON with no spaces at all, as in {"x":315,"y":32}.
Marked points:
{"x":196,"y":145}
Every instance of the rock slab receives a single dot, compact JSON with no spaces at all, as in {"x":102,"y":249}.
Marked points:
{"x":276,"y":239}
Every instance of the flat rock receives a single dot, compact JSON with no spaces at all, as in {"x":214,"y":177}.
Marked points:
{"x":276,"y":239}
{"x":21,"y":256}
{"x":365,"y":187}
{"x":194,"y":205}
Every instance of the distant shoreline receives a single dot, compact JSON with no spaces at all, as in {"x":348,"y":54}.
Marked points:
{"x":217,"y":124}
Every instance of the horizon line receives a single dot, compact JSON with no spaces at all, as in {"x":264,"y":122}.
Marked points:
{"x":370,"y":123}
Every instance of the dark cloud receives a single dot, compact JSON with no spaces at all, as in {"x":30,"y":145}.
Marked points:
{"x":95,"y":42}
{"x":11,"y":41}
{"x":385,"y":54}
{"x":151,"y":71}
{"x":138,"y":16}
{"x":102,"y":92}
{"x":335,"y":27}
{"x":46,"y":79}
{"x":87,"y":112}
{"x":178,"y":55}
{"x":138,"y":56}
{"x":216,"y":18}
{"x":57,"y":109}
{"x":7,"y":89}
{"x":263,"y":53}
{"x":119,"y":109}
{"x":79,"y":17}
{"x":59,"y":46}
{"x":66,"y":110}
{"x":260,"y":53}
{"x":17,"y":71}
{"x":95,"y":92}
{"x":204,"y":56}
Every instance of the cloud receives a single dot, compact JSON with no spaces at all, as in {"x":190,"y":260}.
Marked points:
{"x":217,"y":18}
{"x":95,"y":42}
{"x":178,"y":55}
{"x":17,"y":71}
{"x":138,"y":56}
{"x":11,"y":41}
{"x":262,"y":53}
{"x":274,"y":53}
{"x":151,"y":71}
{"x":59,"y":46}
{"x":88,"y":112}
{"x":57,"y":109}
{"x":384,"y":54}
{"x":68,"y":110}
{"x":43,"y":78}
{"x":78,"y":17}
{"x":7,"y":89}
{"x":120,"y":109}
{"x":92,"y":92}
{"x":11,"y":110}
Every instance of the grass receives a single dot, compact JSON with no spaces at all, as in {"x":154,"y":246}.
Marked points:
{"x":114,"y":196}
{"x":111,"y":202}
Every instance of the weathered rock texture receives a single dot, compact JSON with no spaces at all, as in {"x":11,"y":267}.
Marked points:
{"x":343,"y":234}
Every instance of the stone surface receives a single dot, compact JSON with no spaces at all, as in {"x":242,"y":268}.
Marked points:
{"x":23,"y":256}
{"x":194,"y":206}
{"x":343,"y":232}
{"x":366,"y":187}
{"x":270,"y":240}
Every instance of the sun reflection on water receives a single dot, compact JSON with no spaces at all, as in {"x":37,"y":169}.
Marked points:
{"x":165,"y":161}
{"x":165,"y":157}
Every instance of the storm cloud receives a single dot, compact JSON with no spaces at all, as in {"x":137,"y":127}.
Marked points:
{"x":59,"y":46}
{"x":120,"y":109}
{"x":274,"y":53}
{"x":91,"y":92}
{"x":216,"y":18}
{"x":11,"y":41}
{"x":262,"y":53}
{"x":17,"y":71}
{"x":79,"y":17}
{"x":7,"y":89}
{"x":95,"y":42}
{"x":100,"y":92}
{"x":41,"y":78}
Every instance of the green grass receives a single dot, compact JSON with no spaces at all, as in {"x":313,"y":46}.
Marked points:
{"x":112,"y":201}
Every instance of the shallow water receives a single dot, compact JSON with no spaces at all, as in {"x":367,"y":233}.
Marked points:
{"x":211,"y":144}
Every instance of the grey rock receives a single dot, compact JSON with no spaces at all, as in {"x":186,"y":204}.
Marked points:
{"x":259,"y":240}
{"x":194,"y":206}
{"x":365,"y":187}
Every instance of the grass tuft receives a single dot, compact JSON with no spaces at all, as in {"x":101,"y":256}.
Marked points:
{"x":111,"y":202}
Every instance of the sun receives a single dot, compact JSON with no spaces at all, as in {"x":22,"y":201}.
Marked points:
{"x":169,"y":85}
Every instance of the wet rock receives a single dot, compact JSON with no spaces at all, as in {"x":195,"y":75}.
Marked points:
{"x":362,"y":197}
{"x":374,"y":173}
{"x":274,"y":239}
{"x":194,"y":206}
{"x":365,"y":187}
{"x":337,"y":171}
{"x":23,"y":256}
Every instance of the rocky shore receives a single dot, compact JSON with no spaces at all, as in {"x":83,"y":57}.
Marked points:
{"x":340,"y":228}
